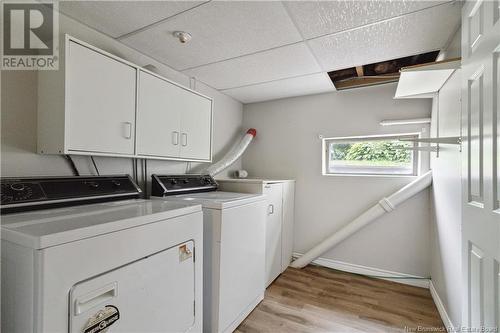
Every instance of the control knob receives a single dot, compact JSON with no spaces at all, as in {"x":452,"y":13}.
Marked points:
{"x":17,"y":187}
{"x":93,"y":184}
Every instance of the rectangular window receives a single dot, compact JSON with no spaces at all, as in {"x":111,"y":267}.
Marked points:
{"x":370,"y":155}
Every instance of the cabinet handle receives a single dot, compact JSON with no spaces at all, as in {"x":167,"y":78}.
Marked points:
{"x":175,"y":138}
{"x":270,"y":209}
{"x":184,"y":139}
{"x":127,"y":130}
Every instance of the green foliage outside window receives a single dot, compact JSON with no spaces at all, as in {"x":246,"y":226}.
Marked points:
{"x":371,"y":151}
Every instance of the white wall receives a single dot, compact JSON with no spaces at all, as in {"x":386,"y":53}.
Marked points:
{"x":446,"y":201}
{"x":18,"y":103}
{"x":454,"y":49}
{"x":287,"y":146}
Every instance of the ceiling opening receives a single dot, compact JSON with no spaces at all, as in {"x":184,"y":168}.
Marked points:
{"x":377,"y":73}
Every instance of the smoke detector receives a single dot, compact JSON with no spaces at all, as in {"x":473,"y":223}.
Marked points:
{"x":183,"y":36}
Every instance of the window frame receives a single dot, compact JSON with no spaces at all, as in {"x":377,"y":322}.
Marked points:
{"x":326,"y":150}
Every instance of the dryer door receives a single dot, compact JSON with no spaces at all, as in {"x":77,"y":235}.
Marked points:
{"x":153,"y":294}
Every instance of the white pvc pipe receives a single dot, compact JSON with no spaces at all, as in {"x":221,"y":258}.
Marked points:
{"x":233,"y":154}
{"x":385,"y":205}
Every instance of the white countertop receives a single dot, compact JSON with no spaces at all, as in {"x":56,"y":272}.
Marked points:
{"x":253,"y":180}
{"x":216,"y":199}
{"x":50,"y":227}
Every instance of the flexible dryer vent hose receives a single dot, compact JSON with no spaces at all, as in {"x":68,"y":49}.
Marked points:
{"x":233,"y":154}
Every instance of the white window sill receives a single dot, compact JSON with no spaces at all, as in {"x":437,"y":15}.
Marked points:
{"x":366,"y":175}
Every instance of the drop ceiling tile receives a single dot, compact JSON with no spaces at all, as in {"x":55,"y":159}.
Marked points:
{"x":287,"y":61}
{"x":116,"y":18}
{"x":415,"y":33}
{"x":317,"y":18}
{"x":220,"y":30}
{"x":297,"y":86}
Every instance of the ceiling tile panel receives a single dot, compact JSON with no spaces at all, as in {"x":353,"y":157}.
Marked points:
{"x":276,"y":64}
{"x":317,"y":18}
{"x":412,"y":34}
{"x":220,"y":30}
{"x":116,"y":18}
{"x":298,"y":86}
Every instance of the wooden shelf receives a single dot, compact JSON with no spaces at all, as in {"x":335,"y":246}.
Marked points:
{"x":364,"y":81}
{"x":450,"y":140}
{"x":452,"y":63}
{"x":423,"y":148}
{"x":424,"y":81}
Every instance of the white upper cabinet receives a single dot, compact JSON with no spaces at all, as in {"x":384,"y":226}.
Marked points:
{"x":158,"y":117}
{"x":172,"y":121}
{"x":196,"y":125}
{"x":100,"y":102}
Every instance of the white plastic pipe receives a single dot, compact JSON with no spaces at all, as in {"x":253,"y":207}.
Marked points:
{"x":233,"y":154}
{"x":385,"y":205}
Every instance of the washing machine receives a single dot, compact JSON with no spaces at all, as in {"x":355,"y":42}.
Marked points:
{"x":83,"y":254}
{"x":234,"y":246}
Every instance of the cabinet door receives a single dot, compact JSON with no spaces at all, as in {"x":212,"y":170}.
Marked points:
{"x":158,"y":117}
{"x":196,"y":128}
{"x":288,"y":222}
{"x":273,"y":230}
{"x":100,"y":102}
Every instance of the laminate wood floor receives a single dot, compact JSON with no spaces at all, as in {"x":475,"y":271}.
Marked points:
{"x":318,"y":299}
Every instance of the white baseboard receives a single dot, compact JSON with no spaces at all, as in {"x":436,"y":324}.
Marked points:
{"x":441,"y":309}
{"x":403,"y":278}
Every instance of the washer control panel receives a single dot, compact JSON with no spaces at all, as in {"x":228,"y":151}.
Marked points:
{"x":163,"y":185}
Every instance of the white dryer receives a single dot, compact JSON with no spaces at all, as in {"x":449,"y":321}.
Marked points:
{"x":122,"y":265}
{"x":234,"y":246}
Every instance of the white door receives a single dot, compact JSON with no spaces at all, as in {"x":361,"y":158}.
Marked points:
{"x":274,"y":196}
{"x":158,"y":117}
{"x":480,"y":115}
{"x":196,"y":128}
{"x":155,"y":294}
{"x":100,"y":102}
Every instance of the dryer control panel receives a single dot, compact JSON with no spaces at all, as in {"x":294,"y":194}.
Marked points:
{"x":163,"y":185}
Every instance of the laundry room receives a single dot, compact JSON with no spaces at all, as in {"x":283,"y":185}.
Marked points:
{"x":250,"y":166}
